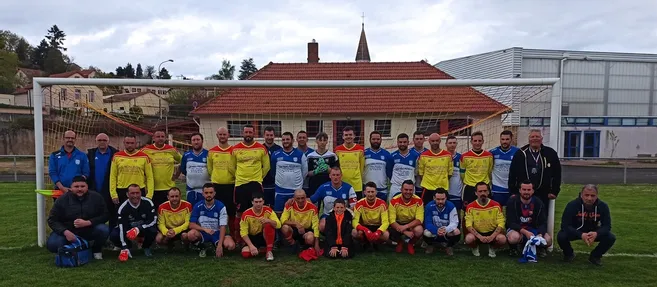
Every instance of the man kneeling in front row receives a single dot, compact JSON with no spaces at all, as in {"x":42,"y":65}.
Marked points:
{"x":78,"y":213}
{"x":136,"y":222}
{"x":370,"y":218}
{"x":258,"y":226}
{"x":484,"y":221}
{"x":441,"y":221}
{"x":173,"y":219}
{"x":300,"y":221}
{"x":208,"y":224}
{"x":526,"y":216}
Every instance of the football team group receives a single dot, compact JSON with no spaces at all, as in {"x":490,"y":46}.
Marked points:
{"x":256,"y":197}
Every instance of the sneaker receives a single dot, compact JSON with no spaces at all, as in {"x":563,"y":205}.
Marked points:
{"x":116,"y":248}
{"x":98,"y":256}
{"x":270,"y":256}
{"x":148,"y":252}
{"x":449,"y":251}
{"x":475,"y":252}
{"x":400,"y":247}
{"x":202,"y":253}
{"x":429,"y":249}
{"x":513,"y":252}
{"x":411,"y":249}
{"x":491,"y":252}
{"x":124,"y":255}
{"x":569,"y":258}
{"x":542,"y":252}
{"x":595,"y":261}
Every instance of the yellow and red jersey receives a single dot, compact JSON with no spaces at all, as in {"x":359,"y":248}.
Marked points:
{"x":476,"y":167}
{"x":220,"y":165}
{"x":405,"y":212}
{"x":163,"y":161}
{"x":128,"y":168}
{"x":306,"y":215}
{"x":435,"y":169}
{"x":250,"y":223}
{"x":176,"y":219}
{"x":251,"y":162}
{"x":352,"y":163}
{"x":375,"y":214}
{"x":484,"y":218}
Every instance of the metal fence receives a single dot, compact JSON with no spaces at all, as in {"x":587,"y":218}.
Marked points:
{"x":17,"y":168}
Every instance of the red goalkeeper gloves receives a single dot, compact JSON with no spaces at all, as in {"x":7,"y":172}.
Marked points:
{"x":132,"y":233}
{"x":364,"y":229}
{"x":374,"y":236}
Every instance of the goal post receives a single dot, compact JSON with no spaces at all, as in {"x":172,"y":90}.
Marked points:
{"x":552,"y":101}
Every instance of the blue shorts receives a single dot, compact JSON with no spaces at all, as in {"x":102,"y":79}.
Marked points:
{"x":214,"y":238}
{"x":524,"y":238}
{"x":501,"y":198}
{"x":458,"y":203}
{"x":193,"y":197}
{"x":280,"y":199}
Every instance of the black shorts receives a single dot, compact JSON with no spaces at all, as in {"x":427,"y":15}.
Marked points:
{"x":394,"y":234}
{"x":372,"y":228}
{"x":298,"y":236}
{"x":258,"y":240}
{"x":243,"y":194}
{"x":159,"y":197}
{"x":469,"y":195}
{"x":484,"y":234}
{"x":225,"y":194}
{"x":427,"y":195}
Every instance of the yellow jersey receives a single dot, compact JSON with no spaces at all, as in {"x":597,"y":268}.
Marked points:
{"x":176,"y":219}
{"x":163,"y":161}
{"x":130,"y":168}
{"x":375,"y":214}
{"x":405,"y":212}
{"x":307,"y":216}
{"x":435,"y":169}
{"x":219,"y":165}
{"x":250,"y":223}
{"x":352,"y":163}
{"x":251,"y":162}
{"x":484,"y":218}
{"x":476,"y":167}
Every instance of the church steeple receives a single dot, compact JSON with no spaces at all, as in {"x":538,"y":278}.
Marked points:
{"x":363,"y":52}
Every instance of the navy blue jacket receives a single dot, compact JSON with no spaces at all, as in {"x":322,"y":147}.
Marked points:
{"x":91,"y":155}
{"x":63,"y":168}
{"x":578,"y":218}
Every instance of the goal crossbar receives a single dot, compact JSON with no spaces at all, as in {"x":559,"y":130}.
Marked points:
{"x":39,"y":82}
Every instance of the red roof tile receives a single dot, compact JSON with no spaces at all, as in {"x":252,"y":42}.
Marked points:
{"x":83,"y":73}
{"x":350,"y":100}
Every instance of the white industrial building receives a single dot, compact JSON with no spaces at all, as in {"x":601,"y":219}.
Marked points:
{"x":609,"y":104}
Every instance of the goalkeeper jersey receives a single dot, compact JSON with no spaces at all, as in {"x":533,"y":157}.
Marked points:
{"x":484,"y":218}
{"x":220,"y":165}
{"x":378,"y":167}
{"x":352,"y":163}
{"x":290,"y":169}
{"x":251,"y":162}
{"x":250,"y":220}
{"x":141,"y":216}
{"x":476,"y":167}
{"x":404,"y":212}
{"x":212,"y":217}
{"x":163,"y":161}
{"x":195,"y":168}
{"x":128,"y":168}
{"x":501,"y":166}
{"x":435,"y":169}
{"x":320,"y":165}
{"x":306,"y":215}
{"x":375,"y":214}
{"x":176,"y":219}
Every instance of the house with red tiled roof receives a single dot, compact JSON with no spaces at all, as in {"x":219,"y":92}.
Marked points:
{"x":64,"y":97}
{"x":25,"y":75}
{"x":149,"y":102}
{"x":388,"y":110}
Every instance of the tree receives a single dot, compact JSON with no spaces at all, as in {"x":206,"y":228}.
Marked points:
{"x":120,"y":73}
{"x":8,"y":65}
{"x":247,"y":69}
{"x":164,"y":74}
{"x":150,"y":72}
{"x":139,"y":73}
{"x":226,"y":73}
{"x":9,"y":41}
{"x":23,"y":51}
{"x":129,"y":71}
{"x":56,"y":38}
{"x":39,"y":54}
{"x":54,"y":62}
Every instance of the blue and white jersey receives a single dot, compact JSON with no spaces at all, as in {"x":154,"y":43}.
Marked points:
{"x":435,"y":218}
{"x":402,"y":168}
{"x":212,"y":217}
{"x":418,"y":178}
{"x":377,"y":168}
{"x":501,"y":166}
{"x":455,"y":182}
{"x":290,"y":170}
{"x":328,"y":194}
{"x":195,"y":168}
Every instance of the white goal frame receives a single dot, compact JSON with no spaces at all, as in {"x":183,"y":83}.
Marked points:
{"x":39,"y":82}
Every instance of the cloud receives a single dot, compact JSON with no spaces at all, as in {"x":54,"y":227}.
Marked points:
{"x":198,"y":36}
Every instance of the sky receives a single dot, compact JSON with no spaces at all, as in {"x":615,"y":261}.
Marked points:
{"x":200,"y":34}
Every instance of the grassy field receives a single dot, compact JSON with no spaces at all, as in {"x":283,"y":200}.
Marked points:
{"x":27,"y":265}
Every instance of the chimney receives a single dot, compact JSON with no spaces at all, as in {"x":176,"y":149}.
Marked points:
{"x":313,"y":52}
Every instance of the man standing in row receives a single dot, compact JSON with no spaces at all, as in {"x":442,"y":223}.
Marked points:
{"x":302,"y":145}
{"x":100,"y":161}
{"x":455,"y":182}
{"x":418,"y":149}
{"x":67,"y":163}
{"x":269,"y":183}
{"x":163,"y":157}
{"x":319,"y":164}
{"x":352,"y":161}
{"x":378,"y":165}
{"x":222,"y":176}
{"x":403,"y":165}
{"x":194,"y":166}
{"x":435,"y":167}
{"x":476,"y":166}
{"x":502,"y":157}
{"x":290,"y":167}
{"x":130,"y":167}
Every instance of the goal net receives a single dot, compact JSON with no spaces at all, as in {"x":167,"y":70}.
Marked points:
{"x":140,"y":107}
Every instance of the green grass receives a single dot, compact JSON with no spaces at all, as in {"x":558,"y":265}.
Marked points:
{"x":635,"y":230}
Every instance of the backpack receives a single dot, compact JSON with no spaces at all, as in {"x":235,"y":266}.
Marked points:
{"x":73,"y":254}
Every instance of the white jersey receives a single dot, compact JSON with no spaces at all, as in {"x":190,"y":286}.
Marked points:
{"x":501,"y":166}
{"x":403,"y":168}
{"x":377,"y":166}
{"x":455,"y":182}
{"x":195,"y":169}
{"x":290,"y":169}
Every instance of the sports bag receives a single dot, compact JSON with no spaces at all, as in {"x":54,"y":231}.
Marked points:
{"x":73,"y":254}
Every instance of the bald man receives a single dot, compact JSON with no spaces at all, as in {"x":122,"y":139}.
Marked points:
{"x":435,"y":166}
{"x":66,"y":163}
{"x":100,"y":164}
{"x":222,"y":176}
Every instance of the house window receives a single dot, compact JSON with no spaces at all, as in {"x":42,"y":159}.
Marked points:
{"x":428,"y":126}
{"x":384,"y":127}
{"x":457,"y":127}
{"x":121,"y":108}
{"x":134,"y":90}
{"x":235,"y":128}
{"x":261,"y":125}
{"x":63,"y":93}
{"x":126,"y":90}
{"x":139,"y":90}
{"x":92,"y":96}
{"x":314,"y":127}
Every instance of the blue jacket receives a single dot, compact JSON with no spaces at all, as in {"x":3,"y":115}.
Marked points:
{"x":435,"y":218}
{"x":63,"y":168}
